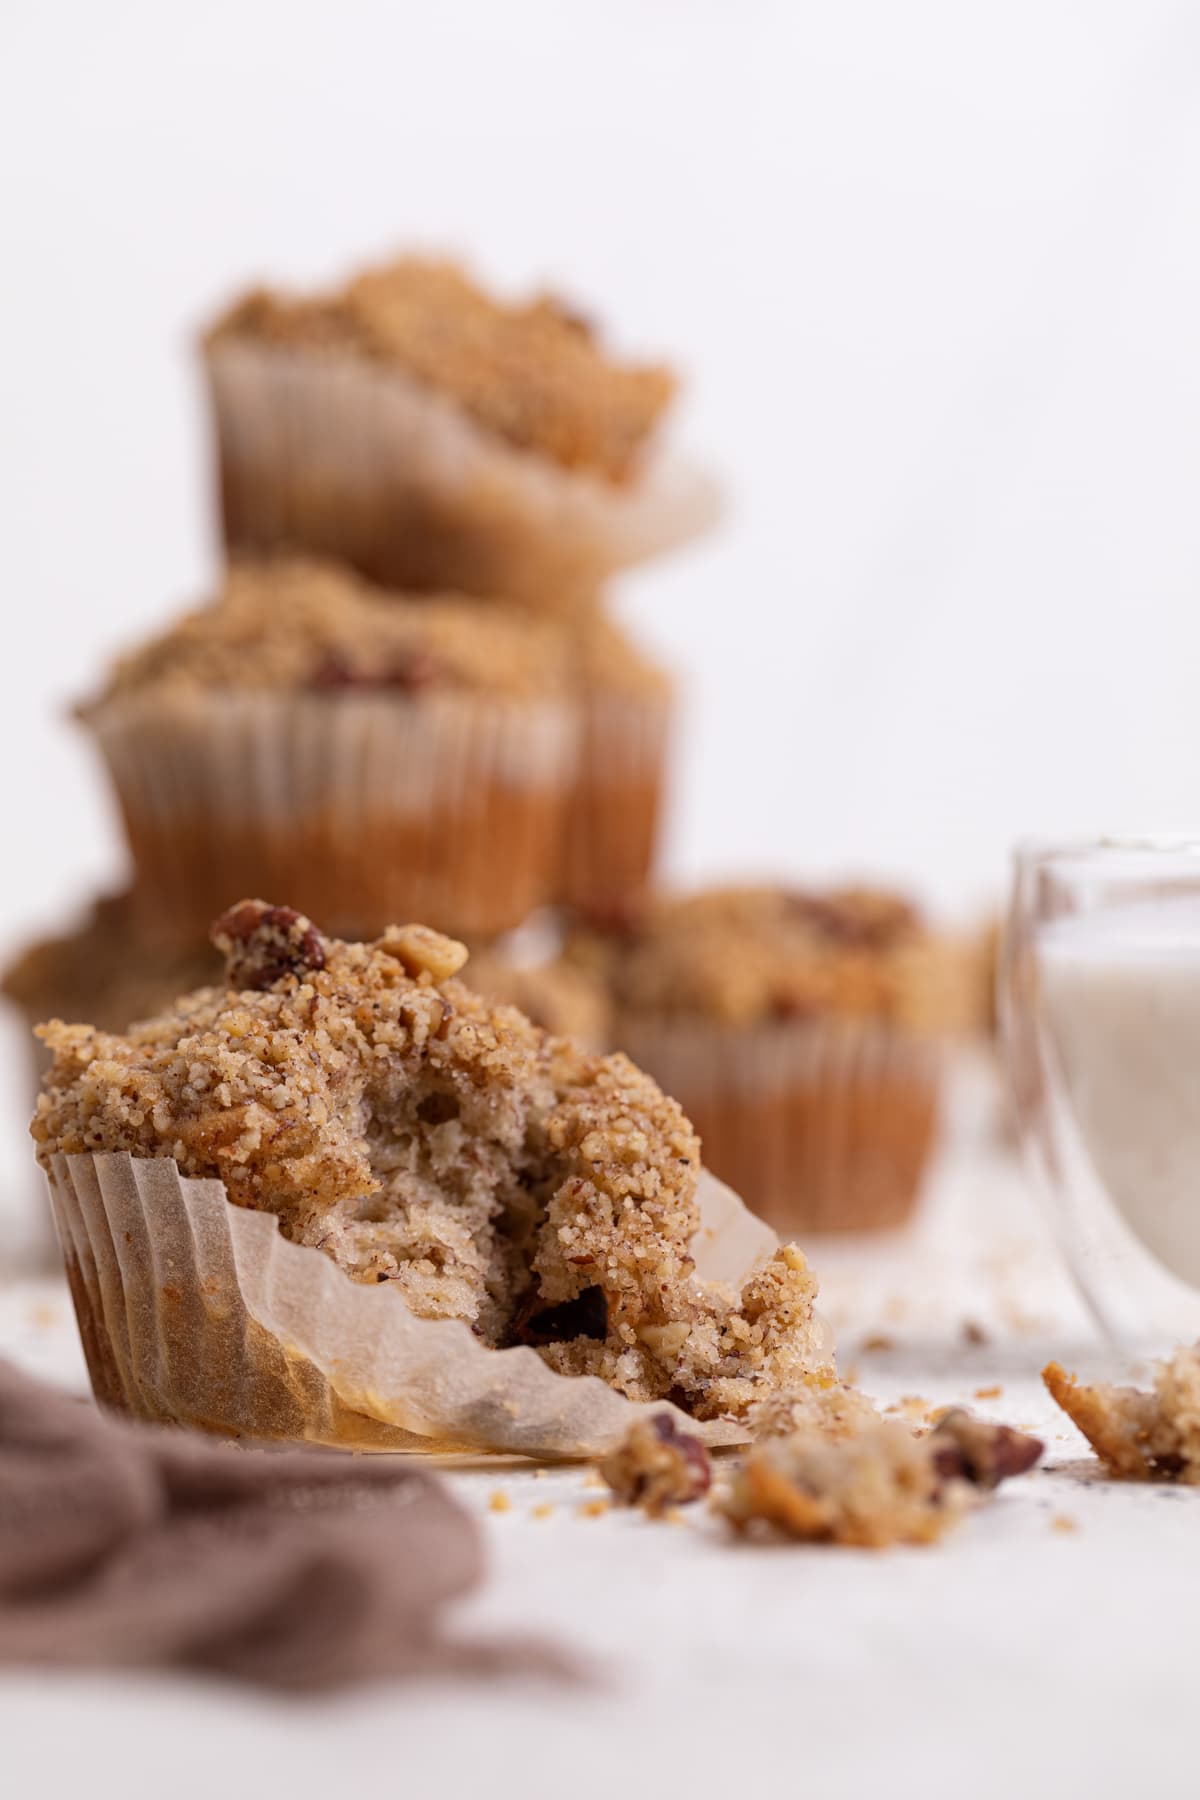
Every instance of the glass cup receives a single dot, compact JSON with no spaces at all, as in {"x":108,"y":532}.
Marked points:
{"x":1100,"y":1013}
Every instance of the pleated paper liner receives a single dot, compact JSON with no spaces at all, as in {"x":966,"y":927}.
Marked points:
{"x":359,"y":809}
{"x":334,"y":453}
{"x":823,"y":1125}
{"x":200,"y":1313}
{"x":612,"y":825}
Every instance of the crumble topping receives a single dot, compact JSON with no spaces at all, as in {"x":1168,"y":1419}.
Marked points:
{"x":847,"y":1476}
{"x":737,"y":956}
{"x":532,"y":372}
{"x":657,"y":1466}
{"x":1139,"y":1434}
{"x":296,"y":623}
{"x":420,"y":1135}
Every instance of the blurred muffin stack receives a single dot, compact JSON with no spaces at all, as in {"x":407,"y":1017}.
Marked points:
{"x":409,"y":700}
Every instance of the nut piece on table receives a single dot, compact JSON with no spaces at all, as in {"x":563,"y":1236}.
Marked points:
{"x":656,"y":1466}
{"x":1139,"y":1434}
{"x":973,"y":1450}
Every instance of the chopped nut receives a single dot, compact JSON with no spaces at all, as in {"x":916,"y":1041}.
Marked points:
{"x":973,"y":1333}
{"x":985,"y":1455}
{"x":420,"y":951}
{"x":262,"y":944}
{"x":657,"y":1466}
{"x":665,"y":1340}
{"x":878,"y":1342}
{"x":594,"y":1509}
{"x":989,"y":1393}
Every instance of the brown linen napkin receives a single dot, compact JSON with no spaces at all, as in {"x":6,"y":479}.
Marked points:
{"x":129,"y":1544}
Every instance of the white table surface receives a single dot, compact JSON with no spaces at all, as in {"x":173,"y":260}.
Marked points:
{"x":1046,"y":1648}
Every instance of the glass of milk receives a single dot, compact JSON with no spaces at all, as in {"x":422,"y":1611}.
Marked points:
{"x":1100,"y":1008}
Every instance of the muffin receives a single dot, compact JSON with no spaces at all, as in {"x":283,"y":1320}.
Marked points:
{"x":421,"y":1140}
{"x":554,"y":993}
{"x":801,"y":1033}
{"x":612,"y":823}
{"x":107,"y":970}
{"x":435,"y":437}
{"x":374,"y":756}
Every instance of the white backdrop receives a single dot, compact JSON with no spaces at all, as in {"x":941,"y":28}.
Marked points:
{"x":933,"y":269}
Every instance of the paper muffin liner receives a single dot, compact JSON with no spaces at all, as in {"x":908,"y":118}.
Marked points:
{"x":822,"y":1125}
{"x":338,"y":454}
{"x":612,"y":824}
{"x":197,"y":1312}
{"x":361,"y":810}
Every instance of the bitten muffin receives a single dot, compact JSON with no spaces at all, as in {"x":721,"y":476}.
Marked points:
{"x":801,"y":1033}
{"x":612,"y":822}
{"x":374,"y":756}
{"x":422,"y":1137}
{"x":107,"y":970}
{"x":436,"y":437}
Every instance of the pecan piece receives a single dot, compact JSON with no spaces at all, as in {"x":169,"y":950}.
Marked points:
{"x":656,"y":1465}
{"x":969,"y":1449}
{"x":262,"y":944}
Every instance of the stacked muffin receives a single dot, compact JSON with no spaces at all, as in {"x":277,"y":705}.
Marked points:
{"x":407,"y":698}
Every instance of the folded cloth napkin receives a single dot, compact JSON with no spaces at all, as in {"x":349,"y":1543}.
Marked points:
{"x":305,"y":1569}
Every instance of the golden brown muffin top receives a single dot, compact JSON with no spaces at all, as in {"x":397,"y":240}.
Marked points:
{"x":607,"y":661}
{"x":298,"y":624}
{"x":106,"y":969}
{"x":747,"y":955}
{"x":532,"y":372}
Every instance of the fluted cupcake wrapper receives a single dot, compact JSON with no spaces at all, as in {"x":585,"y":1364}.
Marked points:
{"x":335,"y":453}
{"x":196,"y":1312}
{"x":361,"y":810}
{"x":611,"y":832}
{"x":822,"y":1124}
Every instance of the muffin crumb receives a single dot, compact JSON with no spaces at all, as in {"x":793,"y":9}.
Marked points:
{"x":1139,"y":1435}
{"x":657,"y":1466}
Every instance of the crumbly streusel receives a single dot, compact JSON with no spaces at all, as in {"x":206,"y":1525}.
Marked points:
{"x":738,"y":956}
{"x":291,"y":622}
{"x":420,"y":1135}
{"x":531,"y":372}
{"x":1139,"y":1434}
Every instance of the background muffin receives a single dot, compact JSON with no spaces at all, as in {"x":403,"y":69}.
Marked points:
{"x":612,"y":822}
{"x":373,"y":756}
{"x":108,"y":970}
{"x":801,"y":1033}
{"x":437,"y":438}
